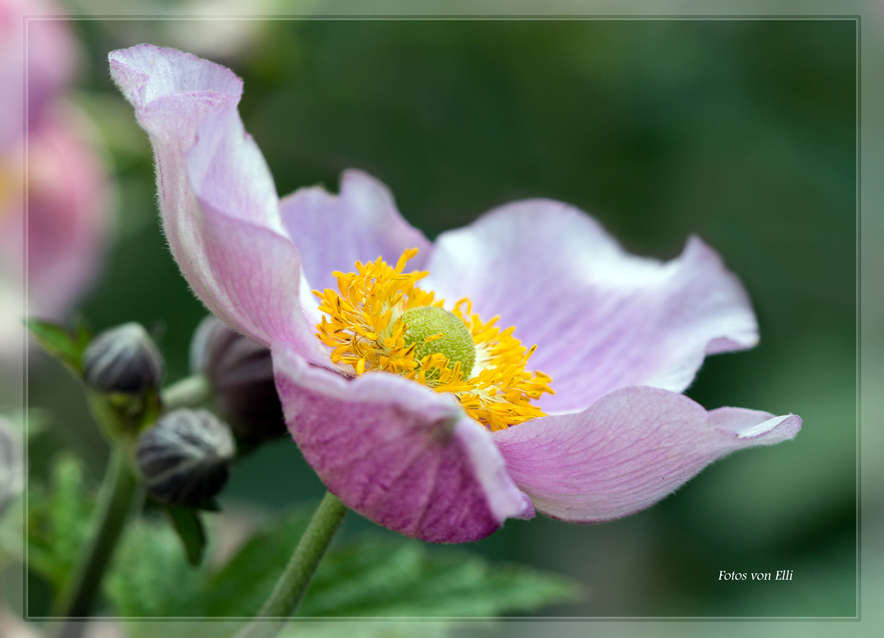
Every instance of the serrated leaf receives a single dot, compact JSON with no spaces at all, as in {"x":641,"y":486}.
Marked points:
{"x":393,"y":577}
{"x":386,"y":578}
{"x":58,"y":521}
{"x":189,"y":527}
{"x":150,"y":575}
{"x":62,"y":342}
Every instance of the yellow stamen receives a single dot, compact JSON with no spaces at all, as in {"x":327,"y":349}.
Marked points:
{"x":363,"y":330}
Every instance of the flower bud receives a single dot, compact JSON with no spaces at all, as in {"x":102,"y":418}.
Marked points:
{"x":241,"y":374}
{"x":11,"y":465}
{"x":185,"y":457}
{"x":123,"y":359}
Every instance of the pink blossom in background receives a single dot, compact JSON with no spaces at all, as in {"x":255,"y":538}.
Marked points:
{"x":52,"y":59}
{"x":67,"y":214}
{"x":621,"y":336}
{"x":67,"y":217}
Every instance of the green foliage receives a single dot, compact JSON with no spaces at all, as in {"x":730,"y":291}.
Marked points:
{"x":62,"y":342}
{"x":398,"y":577}
{"x":242,"y":586}
{"x":58,"y":521}
{"x":154,"y":574}
{"x":382,"y":577}
{"x":151,"y":575}
{"x":123,"y":415}
{"x":189,"y":527}
{"x":11,"y":533}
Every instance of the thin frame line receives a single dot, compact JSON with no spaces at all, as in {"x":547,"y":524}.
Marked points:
{"x":631,"y":18}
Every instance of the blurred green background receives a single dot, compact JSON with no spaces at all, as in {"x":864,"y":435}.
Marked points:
{"x":741,"y":131}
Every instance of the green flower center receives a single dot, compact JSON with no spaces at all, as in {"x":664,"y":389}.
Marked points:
{"x":434,"y":330}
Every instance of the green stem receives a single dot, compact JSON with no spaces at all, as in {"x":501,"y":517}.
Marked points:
{"x":115,"y":502}
{"x":190,"y":392}
{"x":292,"y":585}
{"x":116,"y":498}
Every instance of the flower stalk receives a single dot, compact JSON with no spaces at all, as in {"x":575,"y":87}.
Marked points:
{"x":190,"y":392}
{"x":116,"y":498}
{"x":292,"y":585}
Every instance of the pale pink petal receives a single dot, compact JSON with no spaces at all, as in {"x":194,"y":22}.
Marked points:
{"x":52,"y":59}
{"x":219,"y":205}
{"x":361,"y":223}
{"x":626,"y":452}
{"x":602,"y":319}
{"x":45,"y":49}
{"x":396,"y":452}
{"x":256,"y":274}
{"x":68,"y":220}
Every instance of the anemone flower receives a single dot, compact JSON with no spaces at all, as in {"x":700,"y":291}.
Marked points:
{"x":67,"y":223}
{"x":403,"y":378}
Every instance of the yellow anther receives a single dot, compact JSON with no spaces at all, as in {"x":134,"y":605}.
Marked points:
{"x":363,"y":330}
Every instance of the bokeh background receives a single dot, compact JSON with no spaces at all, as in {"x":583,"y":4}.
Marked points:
{"x":741,"y":131}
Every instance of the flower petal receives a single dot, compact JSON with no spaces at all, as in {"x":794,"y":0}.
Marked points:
{"x":602,"y":319}
{"x":219,"y":205}
{"x":361,"y":223}
{"x":398,"y":453}
{"x":47,"y":59}
{"x":68,"y":218}
{"x":628,"y":451}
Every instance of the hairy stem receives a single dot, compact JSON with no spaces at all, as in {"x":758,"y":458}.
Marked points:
{"x":293,"y":583}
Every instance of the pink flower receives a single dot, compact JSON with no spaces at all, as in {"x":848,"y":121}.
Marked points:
{"x":51,"y":60}
{"x":620,"y":336}
{"x":67,"y":217}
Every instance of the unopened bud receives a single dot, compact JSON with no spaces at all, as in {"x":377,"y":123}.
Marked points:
{"x":123,"y":359}
{"x":241,"y":374}
{"x":185,"y":457}
{"x":11,"y":465}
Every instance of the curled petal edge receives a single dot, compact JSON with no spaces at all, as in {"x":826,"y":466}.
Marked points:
{"x":639,"y":321}
{"x":219,"y":205}
{"x":629,"y":450}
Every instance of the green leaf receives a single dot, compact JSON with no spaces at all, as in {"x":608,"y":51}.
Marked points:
{"x":58,"y":520}
{"x":370,"y":576}
{"x":62,"y":342}
{"x":399,"y":577}
{"x":382,"y":577}
{"x":150,"y":575}
{"x":189,"y":527}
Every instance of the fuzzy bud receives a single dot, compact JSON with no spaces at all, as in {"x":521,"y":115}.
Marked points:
{"x":11,"y":465}
{"x":185,"y":457}
{"x":241,"y":374}
{"x":123,"y":359}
